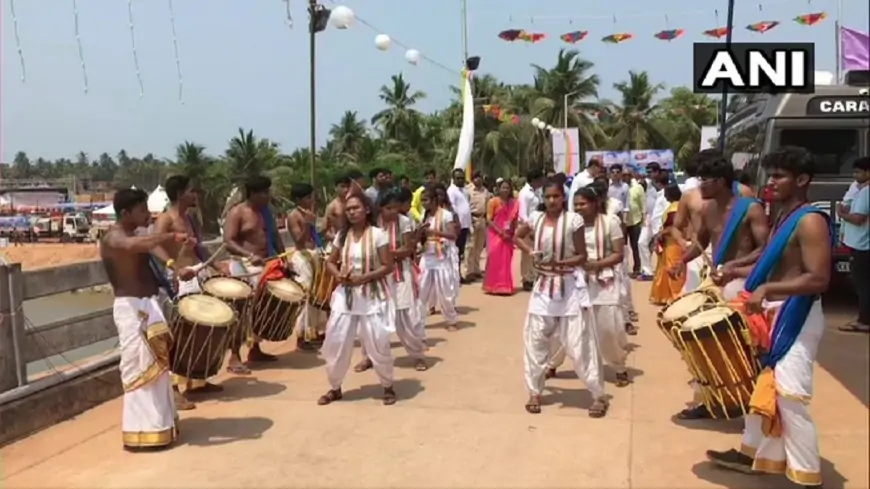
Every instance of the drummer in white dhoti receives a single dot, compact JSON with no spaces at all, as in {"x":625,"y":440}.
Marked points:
{"x":304,"y":261}
{"x":361,"y":306}
{"x":558,"y":249}
{"x":439,"y":281}
{"x":183,"y":197}
{"x":251,"y":235}
{"x":149,"y":418}
{"x":605,"y":245}
{"x":786,"y":282}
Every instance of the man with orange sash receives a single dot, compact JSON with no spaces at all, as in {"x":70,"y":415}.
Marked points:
{"x":737,"y":229}
{"x":785,"y":285}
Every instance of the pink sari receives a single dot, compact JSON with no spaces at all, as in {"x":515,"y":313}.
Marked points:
{"x":499,"y":278}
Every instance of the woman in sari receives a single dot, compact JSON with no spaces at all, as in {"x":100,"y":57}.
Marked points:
{"x":666,"y":288}
{"x":501,"y":213}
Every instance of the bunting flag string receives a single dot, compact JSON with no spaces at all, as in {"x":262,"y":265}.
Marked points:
{"x":493,"y":110}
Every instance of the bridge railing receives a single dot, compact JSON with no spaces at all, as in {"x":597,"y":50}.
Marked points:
{"x":22,"y":343}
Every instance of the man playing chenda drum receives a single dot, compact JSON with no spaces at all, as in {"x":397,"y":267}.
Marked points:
{"x":737,"y":229}
{"x":786,"y":282}
{"x":305,"y":261}
{"x":735,"y":226}
{"x":183,"y":196}
{"x":149,"y":419}
{"x":251,"y":235}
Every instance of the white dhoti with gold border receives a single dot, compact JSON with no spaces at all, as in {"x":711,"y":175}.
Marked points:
{"x":796,"y":452}
{"x":149,"y":418}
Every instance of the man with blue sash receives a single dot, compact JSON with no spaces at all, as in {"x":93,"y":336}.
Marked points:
{"x":306,"y":260}
{"x":183,"y":196}
{"x":736,"y":227}
{"x":251,"y":236}
{"x":785,"y":284}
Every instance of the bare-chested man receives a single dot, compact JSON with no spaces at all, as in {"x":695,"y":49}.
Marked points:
{"x":183,"y":196}
{"x":311,"y":324}
{"x":251,"y":235}
{"x":786,"y":283}
{"x":149,"y":418}
{"x":737,"y":229}
{"x":335,"y":209}
{"x":688,"y":220}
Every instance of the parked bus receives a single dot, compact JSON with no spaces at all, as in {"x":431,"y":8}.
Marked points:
{"x":833,"y":123}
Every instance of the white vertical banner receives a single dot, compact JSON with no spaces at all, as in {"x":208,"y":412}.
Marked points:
{"x":566,"y":150}
{"x":466,"y":133}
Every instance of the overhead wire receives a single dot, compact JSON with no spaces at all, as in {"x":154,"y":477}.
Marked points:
{"x":75,"y":8}
{"x":17,"y":40}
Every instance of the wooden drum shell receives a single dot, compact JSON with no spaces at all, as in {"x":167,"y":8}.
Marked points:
{"x":198,"y":349}
{"x":669,"y":325}
{"x":274,"y":319}
{"x":323,"y":285}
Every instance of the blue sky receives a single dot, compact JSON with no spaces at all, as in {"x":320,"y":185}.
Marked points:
{"x":243,"y":67}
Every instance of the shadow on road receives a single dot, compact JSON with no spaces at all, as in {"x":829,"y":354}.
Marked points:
{"x":734,"y":426}
{"x":846,"y":356}
{"x":238,"y":388}
{"x":405,"y":389}
{"x":831,"y":479}
{"x":408,"y":362}
{"x":220,"y":431}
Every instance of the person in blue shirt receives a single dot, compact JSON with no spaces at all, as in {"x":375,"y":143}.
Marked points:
{"x":856,"y":236}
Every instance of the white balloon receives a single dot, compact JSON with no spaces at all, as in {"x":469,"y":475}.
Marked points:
{"x":413,"y":56}
{"x":535,"y":121}
{"x":383,"y":42}
{"x":548,"y":127}
{"x":541,"y":125}
{"x":554,"y":131}
{"x":342,"y":17}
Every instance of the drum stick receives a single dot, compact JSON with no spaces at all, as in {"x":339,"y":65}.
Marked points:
{"x":213,"y":256}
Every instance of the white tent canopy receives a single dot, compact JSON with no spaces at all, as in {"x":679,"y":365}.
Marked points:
{"x":109,"y":210}
{"x":158,"y":200}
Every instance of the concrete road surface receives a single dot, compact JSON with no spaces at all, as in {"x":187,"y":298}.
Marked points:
{"x":460,"y":424}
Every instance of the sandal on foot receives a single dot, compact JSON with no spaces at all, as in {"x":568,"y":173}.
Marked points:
{"x":630,"y":329}
{"x":182,"y":404}
{"x":238,"y":369}
{"x":633,"y":317}
{"x":698,"y":412}
{"x":598,"y":409}
{"x":854,"y":327}
{"x":421,"y":366}
{"x":550,"y":373}
{"x":389,"y":396}
{"x":622,"y":379}
{"x":533,"y":406}
{"x":451,"y":327}
{"x":331,"y":396}
{"x":363,"y":366}
{"x":207,"y":388}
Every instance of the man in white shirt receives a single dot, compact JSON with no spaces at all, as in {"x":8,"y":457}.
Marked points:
{"x":528,"y":202}
{"x":653,"y":191}
{"x":594,"y":170}
{"x":459,"y":202}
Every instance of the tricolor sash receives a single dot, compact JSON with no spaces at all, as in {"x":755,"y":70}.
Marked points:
{"x":732,"y":224}
{"x":549,"y":282}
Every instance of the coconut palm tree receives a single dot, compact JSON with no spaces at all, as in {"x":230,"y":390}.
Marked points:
{"x":348,"y":135}
{"x":248,"y":155}
{"x":685,"y":113}
{"x":399,"y":119}
{"x":633,"y":117}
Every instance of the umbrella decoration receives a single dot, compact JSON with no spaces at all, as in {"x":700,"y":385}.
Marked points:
{"x":574,"y":37}
{"x":811,"y":19}
{"x":762,"y":27}
{"x":617,"y":38}
{"x":532,"y":37}
{"x":511,"y":35}
{"x":718,"y":32}
{"x":669,"y":35}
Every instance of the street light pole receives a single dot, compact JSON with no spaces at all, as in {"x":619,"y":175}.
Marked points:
{"x":312,"y":119}
{"x":723,"y":111}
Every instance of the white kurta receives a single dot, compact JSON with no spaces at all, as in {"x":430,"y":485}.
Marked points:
{"x":149,"y":418}
{"x":365,"y":311}
{"x":555,"y":310}
{"x":605,"y":291}
{"x":796,"y":452}
{"x":646,"y":232}
{"x":439,"y":282}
